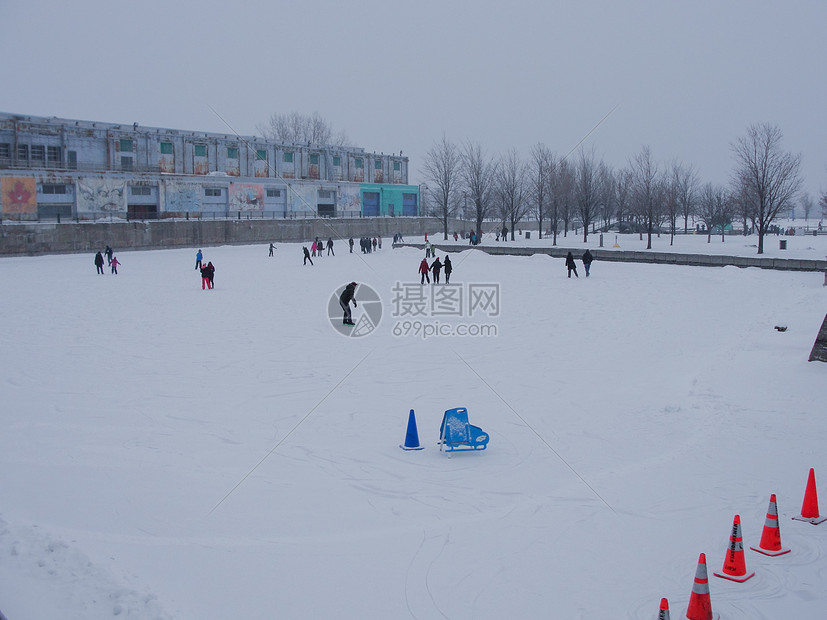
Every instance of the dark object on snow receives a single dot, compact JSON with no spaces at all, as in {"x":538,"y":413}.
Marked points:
{"x":819,"y":352}
{"x":781,"y":328}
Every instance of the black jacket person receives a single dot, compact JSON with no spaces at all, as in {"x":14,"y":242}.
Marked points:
{"x":345,"y":299}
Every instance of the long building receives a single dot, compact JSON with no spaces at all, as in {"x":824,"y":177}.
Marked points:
{"x":85,"y":170}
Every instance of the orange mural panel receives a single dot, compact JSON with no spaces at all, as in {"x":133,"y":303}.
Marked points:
{"x":19,"y":195}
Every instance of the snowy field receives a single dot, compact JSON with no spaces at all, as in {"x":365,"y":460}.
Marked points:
{"x":174,"y":453}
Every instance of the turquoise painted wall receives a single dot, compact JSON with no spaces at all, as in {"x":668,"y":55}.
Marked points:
{"x":390,"y":197}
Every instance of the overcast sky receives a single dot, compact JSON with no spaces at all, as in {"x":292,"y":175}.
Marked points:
{"x":684,"y":78}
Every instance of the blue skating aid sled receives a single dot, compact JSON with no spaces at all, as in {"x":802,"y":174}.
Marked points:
{"x":456,"y":433}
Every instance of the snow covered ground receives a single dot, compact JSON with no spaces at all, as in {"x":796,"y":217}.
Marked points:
{"x":169,"y":452}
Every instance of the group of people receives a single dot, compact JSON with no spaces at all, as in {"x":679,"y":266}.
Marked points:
{"x":435,"y":268}
{"x":368,"y":244}
{"x":587,"y":259}
{"x":207,"y":271}
{"x":318,"y":247}
{"x":111,"y":259}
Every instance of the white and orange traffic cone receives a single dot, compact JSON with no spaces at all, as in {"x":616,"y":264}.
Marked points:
{"x":664,"y":610}
{"x":735,"y":565}
{"x":809,"y":510}
{"x":700,"y":605}
{"x":771,"y":536}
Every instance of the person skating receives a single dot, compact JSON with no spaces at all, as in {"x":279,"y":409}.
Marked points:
{"x":448,"y":269}
{"x":436,"y":267}
{"x":211,"y":270}
{"x":114,"y":264}
{"x":313,"y":249}
{"x":587,"y":261}
{"x":99,"y":262}
{"x":330,"y":246}
{"x":345,"y":299}
{"x":570,"y":265}
{"x":198,"y":257}
{"x":423,"y":269}
{"x":205,"y":277}
{"x":272,"y":247}
{"x":109,"y":252}
{"x":306,"y":255}
{"x":350,"y":243}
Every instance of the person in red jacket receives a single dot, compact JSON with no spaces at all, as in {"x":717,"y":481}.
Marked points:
{"x":424,"y":269}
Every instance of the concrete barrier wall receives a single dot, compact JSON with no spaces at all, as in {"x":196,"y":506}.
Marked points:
{"x":669,"y":258}
{"x":72,"y":237}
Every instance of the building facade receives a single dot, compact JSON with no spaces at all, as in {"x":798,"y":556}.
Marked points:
{"x":53,"y":167}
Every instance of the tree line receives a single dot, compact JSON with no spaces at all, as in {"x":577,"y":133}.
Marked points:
{"x":574,"y":191}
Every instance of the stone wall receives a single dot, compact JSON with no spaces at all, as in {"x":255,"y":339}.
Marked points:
{"x":72,"y":237}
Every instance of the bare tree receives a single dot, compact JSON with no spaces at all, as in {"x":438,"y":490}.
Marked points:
{"x":606,"y":197}
{"x":686,"y":181}
{"x":512,"y":189}
{"x":768,"y":176}
{"x":442,"y":169}
{"x":646,"y":190}
{"x":586,"y":190}
{"x":297,"y":128}
{"x":715,"y":208}
{"x":623,"y":184}
{"x":561,"y":186}
{"x":478,"y":171}
{"x":542,"y":161}
{"x":566,"y":178}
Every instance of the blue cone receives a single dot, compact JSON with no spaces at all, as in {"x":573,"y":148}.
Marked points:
{"x":412,"y":437}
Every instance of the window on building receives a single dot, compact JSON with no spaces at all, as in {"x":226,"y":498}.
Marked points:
{"x":261,"y":155}
{"x":5,"y":151}
{"x":325,"y":194}
{"x":359,"y":163}
{"x":377,"y":164}
{"x":72,"y":159}
{"x":396,"y":166}
{"x":200,"y":150}
{"x":126,"y":163}
{"x":141,"y":190}
{"x":232,"y":152}
{"x":212,"y":191}
{"x":53,"y":154}
{"x":38,"y":152}
{"x":274,"y":193}
{"x":288,"y":158}
{"x":23,"y":152}
{"x":126,"y":145}
{"x":166,"y":148}
{"x":314,"y":159}
{"x":53,"y":188}
{"x":337,"y":161}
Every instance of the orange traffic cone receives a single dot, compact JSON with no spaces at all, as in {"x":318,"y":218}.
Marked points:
{"x":664,"y":610}
{"x":771,"y":536}
{"x":809,"y":510}
{"x":700,"y":605}
{"x":735,"y":566}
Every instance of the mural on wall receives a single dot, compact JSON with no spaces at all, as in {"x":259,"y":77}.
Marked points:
{"x":350,"y":199}
{"x":99,"y":194}
{"x":19,"y":195}
{"x":182,"y":197}
{"x":246,"y":197}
